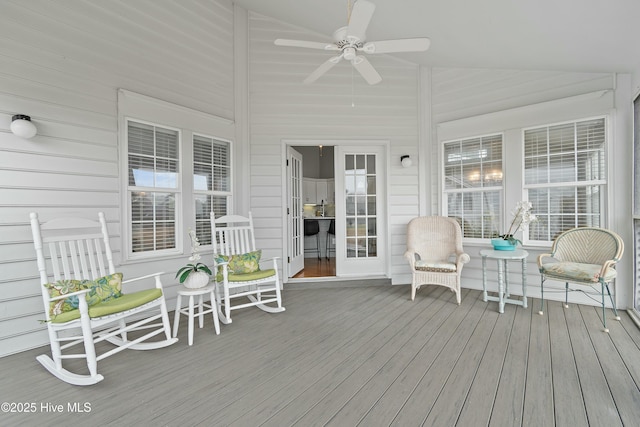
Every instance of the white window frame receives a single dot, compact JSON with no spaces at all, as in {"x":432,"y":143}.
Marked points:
{"x":603,"y":183}
{"x":145,"y":109}
{"x":445,"y":192}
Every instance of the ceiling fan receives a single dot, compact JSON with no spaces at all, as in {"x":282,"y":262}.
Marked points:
{"x":350,"y":41}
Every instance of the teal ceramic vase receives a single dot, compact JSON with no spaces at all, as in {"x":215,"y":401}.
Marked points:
{"x":502,"y":245}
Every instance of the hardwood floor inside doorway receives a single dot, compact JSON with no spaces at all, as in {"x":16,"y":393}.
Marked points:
{"x":314,"y":267}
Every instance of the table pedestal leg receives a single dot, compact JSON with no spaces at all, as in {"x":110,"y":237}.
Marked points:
{"x":500,"y":286}
{"x":524,"y":282}
{"x":484,"y":278}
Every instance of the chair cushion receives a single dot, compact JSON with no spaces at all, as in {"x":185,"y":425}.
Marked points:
{"x":240,"y":264}
{"x":575,"y":271}
{"x":115,"y":305}
{"x":436,"y":267}
{"x":247,"y":277}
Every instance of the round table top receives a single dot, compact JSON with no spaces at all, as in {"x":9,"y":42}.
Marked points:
{"x":492,"y":253}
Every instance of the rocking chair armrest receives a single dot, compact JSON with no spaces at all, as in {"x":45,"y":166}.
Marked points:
{"x":157,"y":275}
{"x":64,"y":296}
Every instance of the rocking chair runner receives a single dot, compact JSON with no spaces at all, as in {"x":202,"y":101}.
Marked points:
{"x":78,"y":252}
{"x":237,"y":268}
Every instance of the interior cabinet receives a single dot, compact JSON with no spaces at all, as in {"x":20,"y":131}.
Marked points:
{"x":318,"y":190}
{"x":309,"y":191}
{"x":321,"y":191}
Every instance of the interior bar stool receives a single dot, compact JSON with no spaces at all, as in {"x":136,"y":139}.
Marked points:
{"x":190,"y":309}
{"x":312,"y":228}
{"x":331,"y":239}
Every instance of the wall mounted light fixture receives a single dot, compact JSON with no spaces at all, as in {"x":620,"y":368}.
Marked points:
{"x":406,"y":161}
{"x":21,"y":126}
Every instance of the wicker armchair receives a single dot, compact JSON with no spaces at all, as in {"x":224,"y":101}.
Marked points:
{"x":583,"y":256}
{"x":434,"y":251}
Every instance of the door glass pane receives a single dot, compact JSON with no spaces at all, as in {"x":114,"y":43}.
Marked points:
{"x":360,"y":202}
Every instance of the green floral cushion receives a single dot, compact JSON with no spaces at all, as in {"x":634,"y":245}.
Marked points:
{"x":100,"y":290}
{"x":63,"y":287}
{"x":104,"y":289}
{"x":240,"y":264}
{"x":436,"y":267}
{"x":575,"y":271}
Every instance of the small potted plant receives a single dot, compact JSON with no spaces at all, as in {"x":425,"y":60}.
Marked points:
{"x":522,"y":217}
{"x":194,"y":275}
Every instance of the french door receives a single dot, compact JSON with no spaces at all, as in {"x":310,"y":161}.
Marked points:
{"x":294,"y":212}
{"x":361,"y":211}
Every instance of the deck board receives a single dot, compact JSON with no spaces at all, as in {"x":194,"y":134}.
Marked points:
{"x":361,"y":356}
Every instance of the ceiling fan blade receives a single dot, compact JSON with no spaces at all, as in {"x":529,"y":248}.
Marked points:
{"x":303,"y":43}
{"x":360,"y":16}
{"x":401,"y":45}
{"x":323,"y":68}
{"x":367,"y":71}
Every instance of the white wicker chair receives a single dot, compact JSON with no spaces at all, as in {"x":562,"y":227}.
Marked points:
{"x":435,"y":253}
{"x":583,"y":256}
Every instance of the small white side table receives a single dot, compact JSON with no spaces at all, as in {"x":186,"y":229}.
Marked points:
{"x":212,"y":307}
{"x":503,"y":272}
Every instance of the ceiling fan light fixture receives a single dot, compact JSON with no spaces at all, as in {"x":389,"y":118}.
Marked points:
{"x":349,"y":53}
{"x":369,"y":48}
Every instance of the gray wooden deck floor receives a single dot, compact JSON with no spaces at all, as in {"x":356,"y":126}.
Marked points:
{"x":360,"y":356}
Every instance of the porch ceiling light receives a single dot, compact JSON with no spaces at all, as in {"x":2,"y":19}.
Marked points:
{"x":21,"y":126}
{"x":406,"y":161}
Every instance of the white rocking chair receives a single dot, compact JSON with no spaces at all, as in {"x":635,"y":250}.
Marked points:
{"x":78,"y":252}
{"x":237,"y":269}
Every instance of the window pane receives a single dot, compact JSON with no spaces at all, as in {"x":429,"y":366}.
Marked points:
{"x":153,"y":156}
{"x":152,"y":221}
{"x":211,"y":164}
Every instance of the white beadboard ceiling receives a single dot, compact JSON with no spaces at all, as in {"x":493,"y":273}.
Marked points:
{"x":563,"y":35}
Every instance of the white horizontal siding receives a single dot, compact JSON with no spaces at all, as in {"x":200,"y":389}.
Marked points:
{"x":283,"y":108}
{"x":62,"y":64}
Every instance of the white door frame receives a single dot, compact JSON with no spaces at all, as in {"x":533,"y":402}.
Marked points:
{"x":385,"y":183}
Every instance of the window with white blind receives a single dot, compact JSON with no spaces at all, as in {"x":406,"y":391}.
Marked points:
{"x":153,"y":186}
{"x":564,"y":176}
{"x":473,"y":184}
{"x":158,"y":191}
{"x":211,"y":182}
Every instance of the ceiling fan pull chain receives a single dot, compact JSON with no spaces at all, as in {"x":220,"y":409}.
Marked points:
{"x":353,"y":104}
